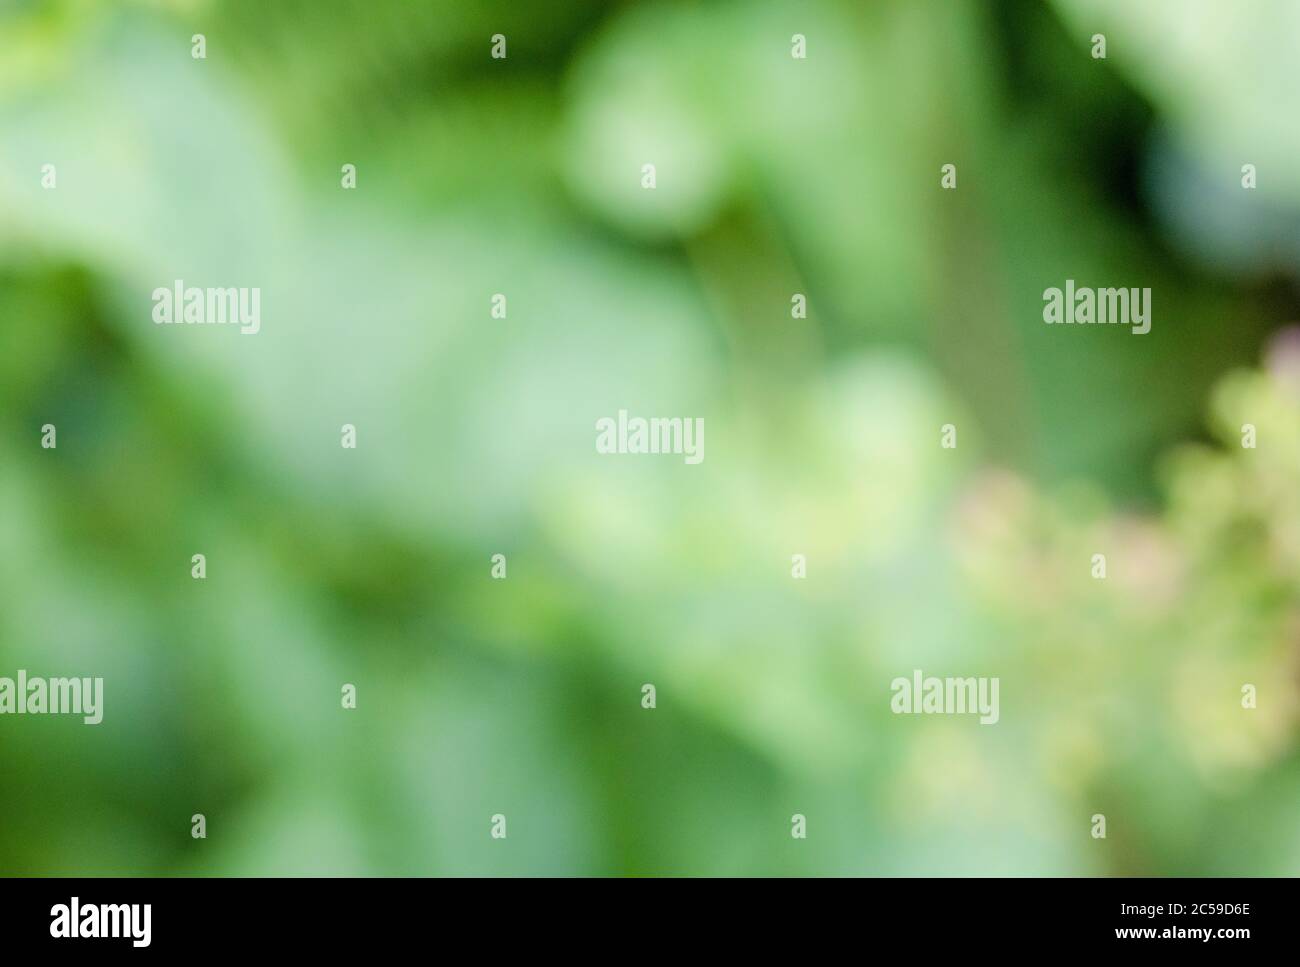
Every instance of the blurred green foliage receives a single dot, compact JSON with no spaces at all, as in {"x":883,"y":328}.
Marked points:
{"x":522,"y":697}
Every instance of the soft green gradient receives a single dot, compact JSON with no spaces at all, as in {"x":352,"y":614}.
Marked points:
{"x":476,"y":437}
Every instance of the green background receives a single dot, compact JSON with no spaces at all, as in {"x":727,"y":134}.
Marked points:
{"x":476,"y":437}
